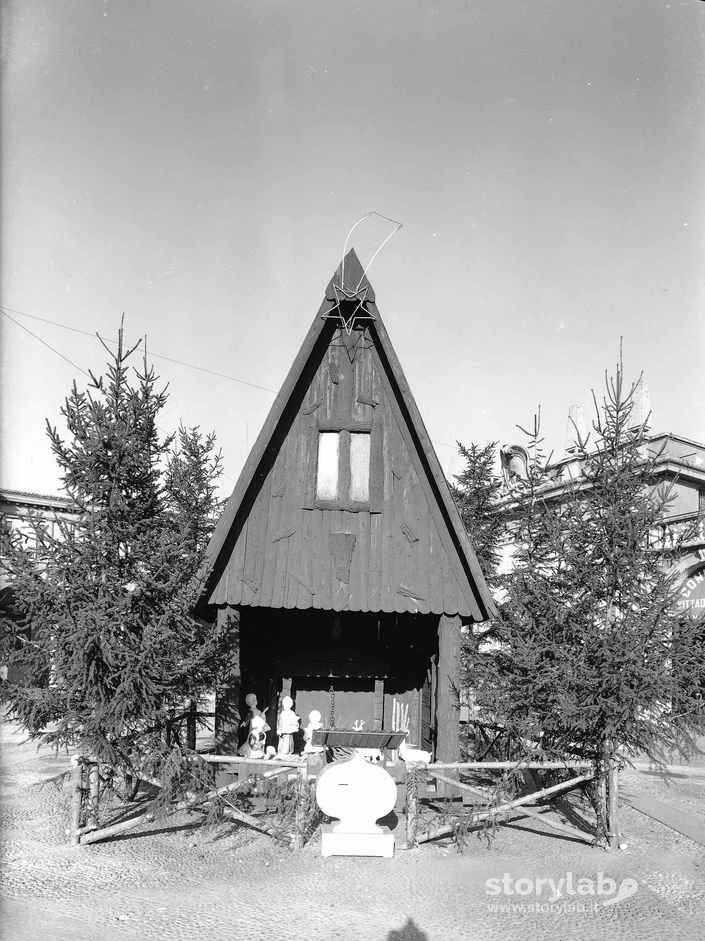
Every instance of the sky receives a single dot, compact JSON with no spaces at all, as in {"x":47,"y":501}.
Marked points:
{"x":196,"y":165}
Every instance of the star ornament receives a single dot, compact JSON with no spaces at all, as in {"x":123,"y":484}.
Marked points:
{"x":345,"y":309}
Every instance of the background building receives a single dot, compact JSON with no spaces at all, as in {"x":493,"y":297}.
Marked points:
{"x":17,"y":510}
{"x":680,"y":464}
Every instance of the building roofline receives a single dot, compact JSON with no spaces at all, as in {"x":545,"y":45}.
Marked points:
{"x":44,"y":500}
{"x":648,"y":439}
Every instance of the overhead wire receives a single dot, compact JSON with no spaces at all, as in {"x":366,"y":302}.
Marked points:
{"x":170,"y":359}
{"x":4,"y":308}
{"x":75,"y":365}
{"x":44,"y":342}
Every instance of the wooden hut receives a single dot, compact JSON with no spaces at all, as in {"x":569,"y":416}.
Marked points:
{"x":340,"y":559}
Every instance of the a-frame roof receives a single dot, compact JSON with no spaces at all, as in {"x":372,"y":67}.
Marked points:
{"x":347,"y":290}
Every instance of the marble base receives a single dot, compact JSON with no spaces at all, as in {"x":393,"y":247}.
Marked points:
{"x":334,"y":843}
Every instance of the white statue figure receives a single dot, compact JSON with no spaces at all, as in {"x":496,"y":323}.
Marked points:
{"x":314,"y":723}
{"x":287,"y":725}
{"x":255,"y":746}
{"x":251,"y":701}
{"x":257,"y":730}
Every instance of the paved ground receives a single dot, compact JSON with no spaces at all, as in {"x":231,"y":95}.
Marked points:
{"x":177,"y":882}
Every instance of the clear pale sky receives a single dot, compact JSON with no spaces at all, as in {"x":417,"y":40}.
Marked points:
{"x":197,"y":164}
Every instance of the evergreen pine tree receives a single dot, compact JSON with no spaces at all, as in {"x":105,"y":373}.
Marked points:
{"x":589,"y":657}
{"x":476,"y":491}
{"x":108,"y":648}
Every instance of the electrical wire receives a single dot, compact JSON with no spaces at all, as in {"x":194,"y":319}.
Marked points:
{"x":170,"y":359}
{"x":63,"y":326}
{"x":44,"y":342}
{"x":71,"y":362}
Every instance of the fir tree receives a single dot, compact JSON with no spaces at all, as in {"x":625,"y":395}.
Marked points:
{"x":108,"y":647}
{"x":588,"y":656}
{"x":476,"y":491}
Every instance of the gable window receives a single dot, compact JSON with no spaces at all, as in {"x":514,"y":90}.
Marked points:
{"x":343,"y":472}
{"x":328,"y":465}
{"x":346,"y":468}
{"x":360,"y":466}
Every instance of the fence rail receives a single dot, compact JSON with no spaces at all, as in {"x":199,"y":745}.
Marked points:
{"x":85,"y":773}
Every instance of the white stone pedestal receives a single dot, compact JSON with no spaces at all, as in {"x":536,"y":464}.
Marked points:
{"x":355,"y":844}
{"x":358,"y":793}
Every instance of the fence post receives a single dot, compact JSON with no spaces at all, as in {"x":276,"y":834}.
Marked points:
{"x":76,"y":798}
{"x":612,"y":805}
{"x":301,"y":794}
{"x":601,"y":769}
{"x":191,"y":726}
{"x":93,"y":793}
{"x":412,"y":802}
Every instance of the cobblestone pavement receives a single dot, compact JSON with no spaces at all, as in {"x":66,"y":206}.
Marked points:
{"x":176,"y":881}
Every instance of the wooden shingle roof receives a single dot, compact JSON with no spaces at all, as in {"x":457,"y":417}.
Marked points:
{"x":275,"y":546}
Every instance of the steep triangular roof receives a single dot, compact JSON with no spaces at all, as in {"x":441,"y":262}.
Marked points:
{"x":349,"y":296}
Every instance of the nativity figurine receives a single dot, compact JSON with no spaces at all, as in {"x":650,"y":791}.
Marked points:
{"x":314,"y":723}
{"x":256,"y":744}
{"x":251,"y":702}
{"x":287,"y":726}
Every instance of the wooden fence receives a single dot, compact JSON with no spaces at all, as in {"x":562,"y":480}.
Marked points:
{"x":85,"y":828}
{"x":85,"y":779}
{"x":487,"y":810}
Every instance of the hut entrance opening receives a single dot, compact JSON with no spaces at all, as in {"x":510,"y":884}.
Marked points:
{"x":349,"y":666}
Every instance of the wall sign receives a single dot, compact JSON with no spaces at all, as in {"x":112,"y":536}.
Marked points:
{"x":691,"y":597}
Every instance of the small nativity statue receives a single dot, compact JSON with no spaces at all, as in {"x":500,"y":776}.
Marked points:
{"x":255,"y":745}
{"x":251,"y":702}
{"x":314,"y":723}
{"x":287,"y":726}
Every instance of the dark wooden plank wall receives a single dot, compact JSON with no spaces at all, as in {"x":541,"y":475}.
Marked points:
{"x":282,"y":556}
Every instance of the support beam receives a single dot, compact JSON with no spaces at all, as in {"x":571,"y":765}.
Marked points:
{"x":378,"y":706}
{"x":448,"y":690}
